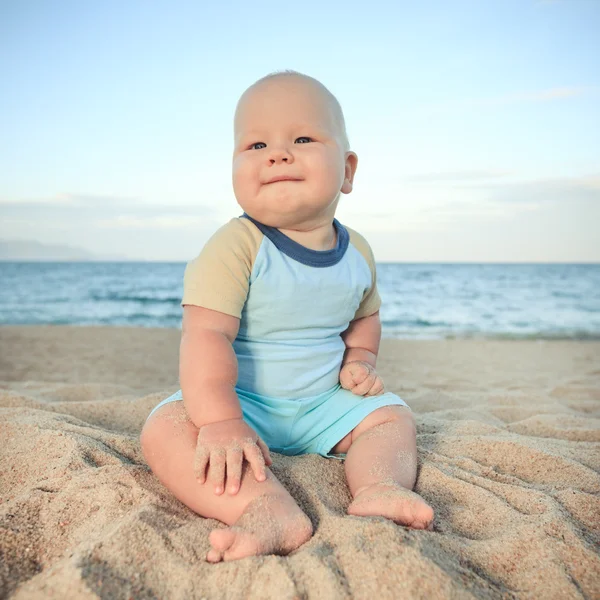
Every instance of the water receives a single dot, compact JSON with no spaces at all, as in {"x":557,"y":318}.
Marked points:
{"x":420,"y":301}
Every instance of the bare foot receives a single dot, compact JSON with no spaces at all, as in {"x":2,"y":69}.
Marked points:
{"x":394,"y":502}
{"x":268,"y":525}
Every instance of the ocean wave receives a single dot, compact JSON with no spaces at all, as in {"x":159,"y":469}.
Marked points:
{"x":142,"y":299}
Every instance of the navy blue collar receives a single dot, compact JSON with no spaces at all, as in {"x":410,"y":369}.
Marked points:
{"x":306,"y":256}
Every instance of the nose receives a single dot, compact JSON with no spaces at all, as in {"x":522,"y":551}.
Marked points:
{"x":279,"y":155}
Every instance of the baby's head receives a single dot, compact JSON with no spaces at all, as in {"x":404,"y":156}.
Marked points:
{"x":289,"y":124}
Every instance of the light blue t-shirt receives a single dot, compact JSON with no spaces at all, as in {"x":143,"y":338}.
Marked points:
{"x":298,"y":301}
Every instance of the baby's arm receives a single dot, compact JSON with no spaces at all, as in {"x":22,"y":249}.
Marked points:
{"x":208,"y":375}
{"x":362,"y":340}
{"x":208,"y":365}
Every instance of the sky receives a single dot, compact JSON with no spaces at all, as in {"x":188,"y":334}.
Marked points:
{"x":476,"y":122}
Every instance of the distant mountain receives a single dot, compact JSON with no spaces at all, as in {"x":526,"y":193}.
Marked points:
{"x":36,"y":251}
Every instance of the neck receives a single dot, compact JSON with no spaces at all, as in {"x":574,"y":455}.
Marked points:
{"x":320,"y":237}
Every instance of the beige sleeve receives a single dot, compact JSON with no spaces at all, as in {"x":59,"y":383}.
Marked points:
{"x":219,"y":277}
{"x":371,"y":301}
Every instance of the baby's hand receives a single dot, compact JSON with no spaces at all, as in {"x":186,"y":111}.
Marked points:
{"x":225,"y":444}
{"x":361,"y":379}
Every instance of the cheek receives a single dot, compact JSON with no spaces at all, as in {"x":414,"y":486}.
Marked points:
{"x":244,"y":175}
{"x":330,"y":173}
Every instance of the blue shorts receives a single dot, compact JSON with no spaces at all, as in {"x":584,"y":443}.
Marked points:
{"x":305,"y":425}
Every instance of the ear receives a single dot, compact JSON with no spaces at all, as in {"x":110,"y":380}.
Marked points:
{"x":350,"y":170}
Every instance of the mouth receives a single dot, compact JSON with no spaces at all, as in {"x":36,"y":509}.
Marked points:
{"x":282,"y":178}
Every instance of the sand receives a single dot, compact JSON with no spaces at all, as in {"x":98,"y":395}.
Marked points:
{"x":509,"y":458}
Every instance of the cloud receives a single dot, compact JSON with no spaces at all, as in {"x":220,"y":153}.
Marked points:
{"x":485,"y":209}
{"x":435,"y":202}
{"x":455,"y":176}
{"x":542,"y":191}
{"x":535,"y":191}
{"x":154,"y":222}
{"x":104,"y":210}
{"x":592,"y":183}
{"x":373,"y":215}
{"x":111,"y":225}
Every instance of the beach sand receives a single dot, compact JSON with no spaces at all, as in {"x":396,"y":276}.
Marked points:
{"x":509,"y":458}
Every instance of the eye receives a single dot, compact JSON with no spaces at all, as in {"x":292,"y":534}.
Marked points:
{"x":252,"y":146}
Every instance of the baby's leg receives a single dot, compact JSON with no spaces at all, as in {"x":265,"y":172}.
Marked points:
{"x":263,"y":517}
{"x":381,"y":468}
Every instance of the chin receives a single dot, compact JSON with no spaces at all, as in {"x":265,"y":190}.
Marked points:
{"x":273,"y":212}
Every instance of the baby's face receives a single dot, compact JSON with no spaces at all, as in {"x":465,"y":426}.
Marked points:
{"x":285,"y":127}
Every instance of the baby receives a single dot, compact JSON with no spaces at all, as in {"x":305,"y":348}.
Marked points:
{"x":279,"y":343}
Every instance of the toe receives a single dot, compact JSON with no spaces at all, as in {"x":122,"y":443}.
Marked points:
{"x":232,"y":543}
{"x":213,"y":556}
{"x":245,"y":545}
{"x":426,"y":516}
{"x":221,"y":539}
{"x":424,"y":520}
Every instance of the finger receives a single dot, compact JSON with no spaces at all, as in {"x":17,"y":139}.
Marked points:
{"x":235,"y":458}
{"x":200,"y":462}
{"x":381,"y":387}
{"x":265,"y":450}
{"x":365,"y":386}
{"x":257,"y":461}
{"x":377,"y":388}
{"x":360,"y":372}
{"x":346,"y":380}
{"x":216,"y":470}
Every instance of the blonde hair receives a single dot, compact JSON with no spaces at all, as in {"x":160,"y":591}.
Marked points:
{"x":338,"y":113}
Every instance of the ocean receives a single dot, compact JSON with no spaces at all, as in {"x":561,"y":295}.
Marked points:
{"x":420,"y":301}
